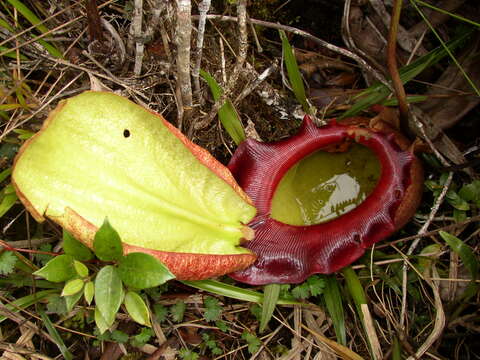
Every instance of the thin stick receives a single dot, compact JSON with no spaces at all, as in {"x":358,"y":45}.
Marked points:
{"x":137,"y":32}
{"x":183,"y":36}
{"x":242,"y":54}
{"x":203,"y":8}
{"x":392,"y":63}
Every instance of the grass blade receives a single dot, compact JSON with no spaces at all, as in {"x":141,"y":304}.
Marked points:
{"x":378,"y":92}
{"x":227,"y":114}
{"x":464,"y":251}
{"x":357,"y":293}
{"x":234,"y":292}
{"x":271,"y":293}
{"x":26,"y":301}
{"x":55,"y":335}
{"x":333,"y":300}
{"x":294,"y":75}
{"x":35,"y":21}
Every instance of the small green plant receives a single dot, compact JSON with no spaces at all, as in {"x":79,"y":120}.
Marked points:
{"x":312,"y":287}
{"x":253,"y":342}
{"x":463,"y":198}
{"x":211,"y":344}
{"x":116,"y":282}
{"x":186,"y":354}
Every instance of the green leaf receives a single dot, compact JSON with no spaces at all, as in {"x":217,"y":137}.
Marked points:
{"x":316,"y":284}
{"x":75,"y":248}
{"x":186,"y":354}
{"x":141,"y":271}
{"x":100,"y":321}
{"x":143,"y":337}
{"x":160,"y":312}
{"x":456,"y":201}
{"x":137,"y":308}
{"x":464,"y":251}
{"x":227,"y":114}
{"x":107,"y":244}
{"x":7,"y":262}
{"x":5,"y":173}
{"x":8,"y":200}
{"x":72,"y":300}
{"x":72,"y":287}
{"x":80,"y":268}
{"x":252,"y":341}
{"x":471,"y":192}
{"x":294,"y":75}
{"x":235,"y":292}
{"x":89,"y":291}
{"x":271,"y":293}
{"x":108,"y":293}
{"x":55,"y":335}
{"x":59,"y":269}
{"x":213,"y":310}
{"x":301,"y":291}
{"x":333,"y":300}
{"x":178,"y":310}
{"x":119,"y":336}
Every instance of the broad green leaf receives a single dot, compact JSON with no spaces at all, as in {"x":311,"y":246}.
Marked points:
{"x":464,"y":251}
{"x":456,"y":201}
{"x":234,"y":292}
{"x":55,"y":335}
{"x":107,"y":244}
{"x":72,"y":300}
{"x":72,"y":287}
{"x":271,"y":293}
{"x":294,"y":75}
{"x":108,"y":293}
{"x":100,"y":321}
{"x":59,"y":269}
{"x":137,"y":308}
{"x":73,"y":247}
{"x":129,"y":164}
{"x":333,"y":300}
{"x":141,"y":271}
{"x":471,"y":192}
{"x":89,"y":291}
{"x":227,"y":114}
{"x":80,"y":268}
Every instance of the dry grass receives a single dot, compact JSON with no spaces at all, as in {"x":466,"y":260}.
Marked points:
{"x":414,"y":283}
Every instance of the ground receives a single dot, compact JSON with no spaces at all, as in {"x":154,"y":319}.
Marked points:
{"x":413,"y":294}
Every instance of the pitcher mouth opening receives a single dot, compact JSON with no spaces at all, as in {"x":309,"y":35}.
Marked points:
{"x":325,"y":184}
{"x":295,"y":237}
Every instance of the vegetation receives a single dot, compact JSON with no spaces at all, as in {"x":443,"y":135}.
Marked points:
{"x":414,"y":294}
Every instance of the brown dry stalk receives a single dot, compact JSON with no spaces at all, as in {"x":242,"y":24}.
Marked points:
{"x":183,"y":35}
{"x":392,"y":63}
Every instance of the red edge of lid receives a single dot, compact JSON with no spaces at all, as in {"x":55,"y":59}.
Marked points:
{"x":288,"y":253}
